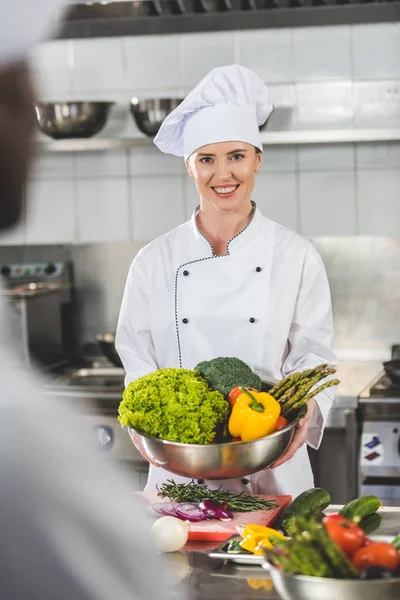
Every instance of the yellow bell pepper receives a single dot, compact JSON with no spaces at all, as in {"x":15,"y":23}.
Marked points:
{"x":257,"y":536}
{"x":254,"y":415}
{"x":258,"y":584}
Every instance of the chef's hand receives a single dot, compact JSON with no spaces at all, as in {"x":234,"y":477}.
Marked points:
{"x":136,"y":440}
{"x":299,"y":437}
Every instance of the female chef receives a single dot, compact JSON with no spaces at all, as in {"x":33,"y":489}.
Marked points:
{"x":229,"y":282}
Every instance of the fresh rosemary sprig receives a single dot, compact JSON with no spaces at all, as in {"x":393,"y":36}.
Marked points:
{"x":194,"y":492}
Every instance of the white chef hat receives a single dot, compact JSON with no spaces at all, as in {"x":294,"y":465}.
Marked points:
{"x":22,"y":24}
{"x":228,"y":105}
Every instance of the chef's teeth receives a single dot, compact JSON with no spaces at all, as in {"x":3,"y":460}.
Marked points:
{"x":225,"y":190}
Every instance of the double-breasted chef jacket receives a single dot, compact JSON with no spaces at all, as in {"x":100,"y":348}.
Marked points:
{"x":267,"y":302}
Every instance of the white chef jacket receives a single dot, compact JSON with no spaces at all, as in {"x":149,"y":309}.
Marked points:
{"x":70,"y":526}
{"x":267,"y":302}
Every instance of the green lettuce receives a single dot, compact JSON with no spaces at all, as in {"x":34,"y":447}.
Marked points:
{"x":175,"y":405}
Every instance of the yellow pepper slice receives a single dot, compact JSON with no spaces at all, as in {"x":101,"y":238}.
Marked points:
{"x":266,"y":531}
{"x":256,"y":536}
{"x":254,"y":415}
{"x":257,"y":584}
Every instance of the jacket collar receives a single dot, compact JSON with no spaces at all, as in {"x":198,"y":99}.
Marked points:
{"x":241,"y":240}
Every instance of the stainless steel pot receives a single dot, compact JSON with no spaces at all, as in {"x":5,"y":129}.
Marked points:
{"x":300,"y":587}
{"x":107,"y":344}
{"x":216,"y":461}
{"x":72,"y":119}
{"x":149,"y":114}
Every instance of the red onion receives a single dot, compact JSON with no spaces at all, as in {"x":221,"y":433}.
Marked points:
{"x":190,"y":512}
{"x":215,"y":510}
{"x":165,"y":508}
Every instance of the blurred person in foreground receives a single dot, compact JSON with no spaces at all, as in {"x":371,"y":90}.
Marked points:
{"x":70,"y":527}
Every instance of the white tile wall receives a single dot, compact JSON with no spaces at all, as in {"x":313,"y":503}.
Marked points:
{"x":157,"y":206}
{"x":378,"y":156}
{"x":322,"y":53}
{"x":102,"y":210}
{"x":50,"y":212}
{"x":376,"y":51}
{"x":153,"y":62}
{"x":327,"y":203}
{"x":150,"y":161}
{"x":102,"y":164}
{"x":268,"y":53}
{"x":51,"y":64}
{"x":98,"y":65}
{"x":326,"y":158}
{"x":328,"y":74}
{"x":379,"y":202}
{"x":192,"y":197}
{"x":202,"y":53}
{"x":276,"y":195}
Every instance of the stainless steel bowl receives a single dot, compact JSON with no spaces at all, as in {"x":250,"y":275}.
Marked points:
{"x":61,"y":120}
{"x":216,"y":461}
{"x":299,"y":587}
{"x":149,"y":114}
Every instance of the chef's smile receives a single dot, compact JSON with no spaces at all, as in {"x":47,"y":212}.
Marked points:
{"x":226,"y":191}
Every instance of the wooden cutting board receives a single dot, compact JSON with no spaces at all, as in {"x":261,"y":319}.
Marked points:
{"x":218,"y":531}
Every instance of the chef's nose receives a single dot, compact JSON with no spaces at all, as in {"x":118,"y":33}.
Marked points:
{"x":223,"y":171}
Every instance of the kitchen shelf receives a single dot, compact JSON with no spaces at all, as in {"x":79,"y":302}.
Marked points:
{"x":269,"y":138}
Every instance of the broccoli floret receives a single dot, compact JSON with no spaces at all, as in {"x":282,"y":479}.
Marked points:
{"x":175,"y":405}
{"x":225,"y":373}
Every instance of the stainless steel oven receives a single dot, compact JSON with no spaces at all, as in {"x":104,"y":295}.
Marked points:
{"x":96,"y":393}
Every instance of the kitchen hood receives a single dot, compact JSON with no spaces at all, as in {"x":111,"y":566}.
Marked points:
{"x":146,"y":17}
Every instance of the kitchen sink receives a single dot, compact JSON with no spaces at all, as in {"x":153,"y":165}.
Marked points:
{"x":96,"y":378}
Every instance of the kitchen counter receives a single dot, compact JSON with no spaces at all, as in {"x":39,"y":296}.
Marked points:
{"x":354,"y":377}
{"x":210,"y":579}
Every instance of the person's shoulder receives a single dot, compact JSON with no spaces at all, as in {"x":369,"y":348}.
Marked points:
{"x":161,"y":245}
{"x":287,"y":237}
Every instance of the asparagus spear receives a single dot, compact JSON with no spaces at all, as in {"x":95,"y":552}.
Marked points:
{"x":310,"y":396}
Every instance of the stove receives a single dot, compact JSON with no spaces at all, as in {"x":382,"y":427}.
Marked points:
{"x":379,"y":449}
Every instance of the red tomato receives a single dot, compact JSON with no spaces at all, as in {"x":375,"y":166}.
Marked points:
{"x":281,"y":424}
{"x":378,"y":554}
{"x":236,"y":392}
{"x":346,"y":534}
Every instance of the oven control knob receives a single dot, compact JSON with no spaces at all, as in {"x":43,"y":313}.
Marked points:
{"x":50,"y":269}
{"x":104,"y":437}
{"x":5,"y":271}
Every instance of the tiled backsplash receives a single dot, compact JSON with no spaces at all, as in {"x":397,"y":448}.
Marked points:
{"x":352,"y":73}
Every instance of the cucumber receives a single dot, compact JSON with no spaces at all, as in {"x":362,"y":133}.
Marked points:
{"x":371,"y":523}
{"x":396,"y":542}
{"x":357,"y":510}
{"x":306,"y":505}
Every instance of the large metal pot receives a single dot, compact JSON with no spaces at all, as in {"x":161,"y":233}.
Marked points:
{"x":61,"y":120}
{"x":216,"y":461}
{"x":149,"y":114}
{"x":106,"y":342}
{"x":300,"y":587}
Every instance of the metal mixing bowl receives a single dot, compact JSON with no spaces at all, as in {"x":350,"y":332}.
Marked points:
{"x":61,"y":120}
{"x":216,"y":461}
{"x":299,"y":587}
{"x":149,"y":114}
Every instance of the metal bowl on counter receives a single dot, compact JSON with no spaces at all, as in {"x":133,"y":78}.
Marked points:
{"x":216,"y":461}
{"x":300,"y":587}
{"x":149,"y":114}
{"x":60,"y":120}
{"x":106,"y":342}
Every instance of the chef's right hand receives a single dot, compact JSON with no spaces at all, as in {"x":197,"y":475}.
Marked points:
{"x":136,"y":440}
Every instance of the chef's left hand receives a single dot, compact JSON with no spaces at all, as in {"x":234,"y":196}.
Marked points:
{"x":299,"y":437}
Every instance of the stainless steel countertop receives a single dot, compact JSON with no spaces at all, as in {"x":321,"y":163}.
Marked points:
{"x":354,"y":377}
{"x":210,"y":579}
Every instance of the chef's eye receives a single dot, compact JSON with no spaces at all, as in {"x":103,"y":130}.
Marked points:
{"x":206,"y":160}
{"x":237,"y":156}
